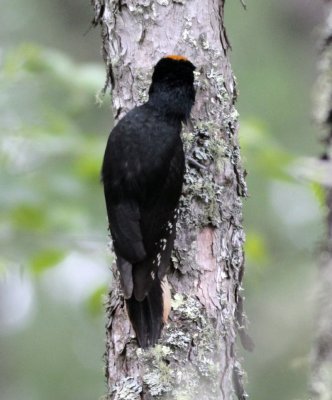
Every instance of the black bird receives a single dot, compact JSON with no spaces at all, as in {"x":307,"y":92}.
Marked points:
{"x":142,"y":173}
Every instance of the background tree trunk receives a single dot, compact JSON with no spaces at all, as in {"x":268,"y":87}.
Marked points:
{"x":196,"y":358}
{"x":321,"y":380}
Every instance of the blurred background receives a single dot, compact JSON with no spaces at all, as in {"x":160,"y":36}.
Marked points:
{"x":54,"y":258}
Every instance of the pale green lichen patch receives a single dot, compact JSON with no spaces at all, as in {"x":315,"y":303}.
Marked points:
{"x":156,"y":382}
{"x":141,"y":86}
{"x":204,"y":42}
{"x":177,"y":338}
{"x":157,"y":373}
{"x":190,"y":308}
{"x":185,"y":251}
{"x":139,"y":6}
{"x":189,"y":335}
{"x":163,"y":2}
{"x":143,"y":10}
{"x":188,"y":139}
{"x":207,"y":367}
{"x":188,"y":35}
{"x":206,"y":146}
{"x":218,"y":82}
{"x":177,"y":301}
{"x":127,"y":389}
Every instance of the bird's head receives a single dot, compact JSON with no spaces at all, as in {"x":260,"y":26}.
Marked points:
{"x":172,"y":85}
{"x":174,"y":70}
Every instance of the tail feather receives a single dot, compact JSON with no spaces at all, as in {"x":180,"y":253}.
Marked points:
{"x":146,"y":316}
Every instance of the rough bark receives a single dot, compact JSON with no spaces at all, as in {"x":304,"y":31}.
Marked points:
{"x":321,"y":380}
{"x":196,"y":358}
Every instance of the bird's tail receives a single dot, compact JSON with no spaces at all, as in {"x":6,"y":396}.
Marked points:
{"x":146,"y":316}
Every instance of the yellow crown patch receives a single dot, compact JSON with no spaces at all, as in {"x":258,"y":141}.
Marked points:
{"x":176,"y":57}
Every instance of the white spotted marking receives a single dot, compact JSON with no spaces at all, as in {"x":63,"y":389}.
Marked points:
{"x":153,"y":275}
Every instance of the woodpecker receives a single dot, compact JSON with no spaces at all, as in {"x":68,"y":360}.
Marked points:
{"x":142,"y":173}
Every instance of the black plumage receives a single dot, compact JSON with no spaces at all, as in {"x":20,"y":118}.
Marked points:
{"x":142,"y":173}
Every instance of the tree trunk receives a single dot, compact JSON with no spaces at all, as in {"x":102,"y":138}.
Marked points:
{"x":196,"y":357}
{"x":321,"y":380}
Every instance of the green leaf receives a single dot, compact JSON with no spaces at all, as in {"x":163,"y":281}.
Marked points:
{"x":319,"y":193}
{"x":25,"y":58}
{"x":88,"y":166}
{"x":27,"y":216}
{"x":95,"y":303}
{"x":253,"y":134}
{"x":255,"y":248}
{"x":3,"y":267}
{"x":32,"y":59}
{"x":263,"y":151}
{"x":275,"y":161}
{"x":46,"y":259}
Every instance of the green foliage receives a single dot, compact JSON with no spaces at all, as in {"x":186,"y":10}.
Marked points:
{"x":30,"y":60}
{"x":263,"y":152}
{"x":50,"y":156}
{"x":96,"y":301}
{"x":319,"y":192}
{"x":256,"y":249}
{"x":46,"y":258}
{"x":27,"y":217}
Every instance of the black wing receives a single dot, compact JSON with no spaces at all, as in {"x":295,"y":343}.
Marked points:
{"x":142,"y":174}
{"x":158,"y":219}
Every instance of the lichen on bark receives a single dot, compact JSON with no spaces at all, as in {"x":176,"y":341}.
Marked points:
{"x":196,"y":357}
